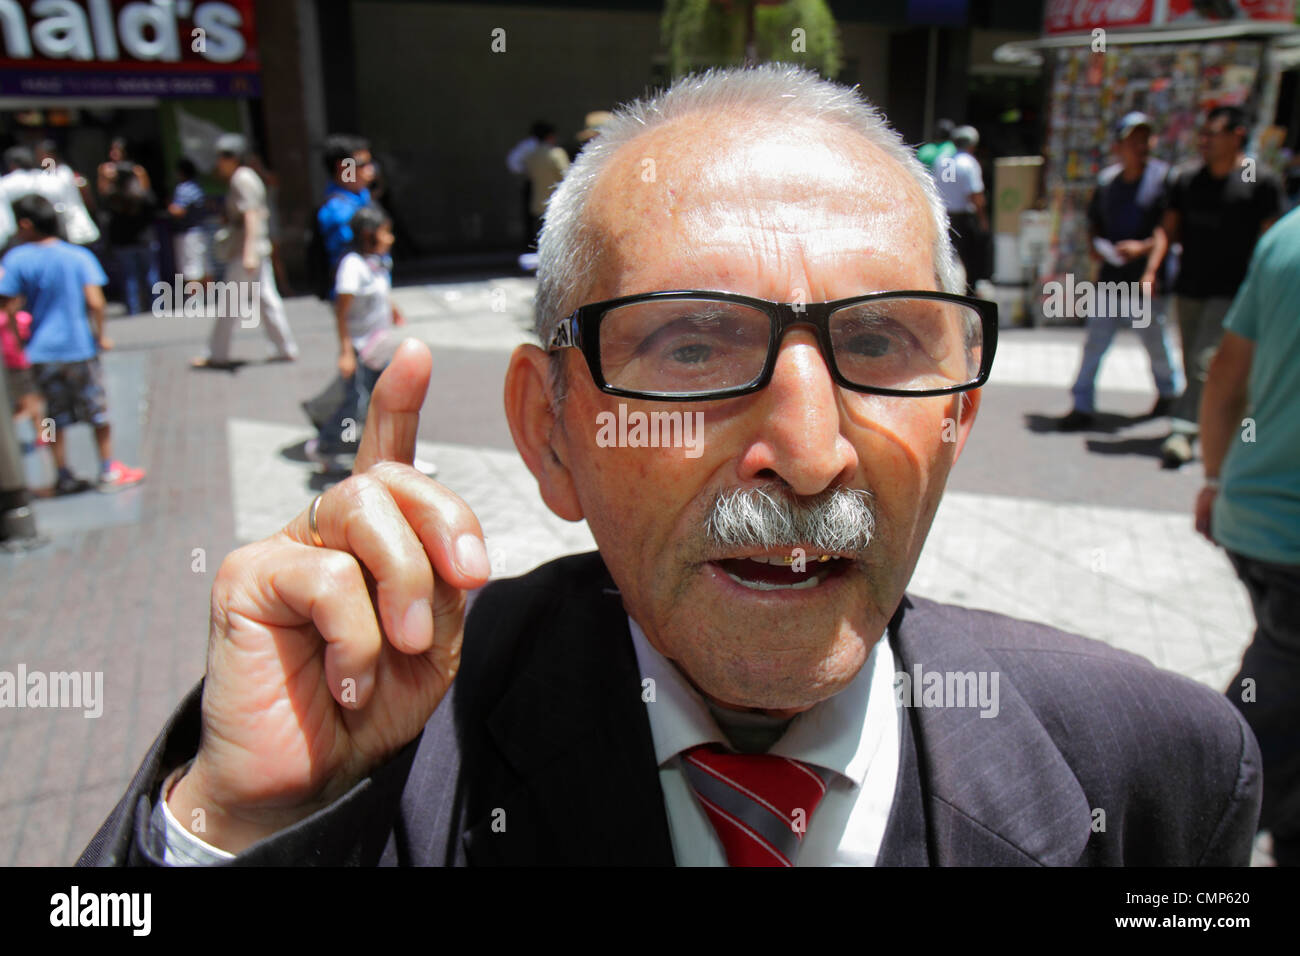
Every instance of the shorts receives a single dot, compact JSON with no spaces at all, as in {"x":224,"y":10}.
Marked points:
{"x":20,"y":382}
{"x":73,"y":392}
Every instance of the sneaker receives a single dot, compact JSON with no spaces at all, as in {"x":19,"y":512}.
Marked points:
{"x":1176,"y":450}
{"x":311,"y":451}
{"x":1076,"y":421}
{"x":329,"y":462}
{"x":70,"y":484}
{"x":119,"y":476}
{"x":1162,"y":407}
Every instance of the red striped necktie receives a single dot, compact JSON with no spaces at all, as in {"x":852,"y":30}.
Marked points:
{"x":759,"y":804}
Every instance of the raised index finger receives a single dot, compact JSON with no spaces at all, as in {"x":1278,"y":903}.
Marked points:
{"x":394,"y":414}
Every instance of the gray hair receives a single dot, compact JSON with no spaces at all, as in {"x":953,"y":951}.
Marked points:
{"x":771,"y":517}
{"x":569,"y":248}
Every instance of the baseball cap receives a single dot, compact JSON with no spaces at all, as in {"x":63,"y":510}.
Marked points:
{"x":1131,"y":121}
{"x":966,"y":134}
{"x":231,"y":144}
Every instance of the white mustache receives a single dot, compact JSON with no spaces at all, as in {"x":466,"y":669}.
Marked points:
{"x":836,"y":521}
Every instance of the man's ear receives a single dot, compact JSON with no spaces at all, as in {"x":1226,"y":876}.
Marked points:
{"x":538,"y":435}
{"x":968,"y":403}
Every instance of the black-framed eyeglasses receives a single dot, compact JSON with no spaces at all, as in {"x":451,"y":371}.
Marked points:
{"x":691,"y":345}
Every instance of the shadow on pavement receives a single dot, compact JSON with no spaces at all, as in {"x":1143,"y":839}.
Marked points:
{"x":1107,"y":423}
{"x":1148,"y":447}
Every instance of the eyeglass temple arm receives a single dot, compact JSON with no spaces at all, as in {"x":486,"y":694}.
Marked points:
{"x":563,"y":336}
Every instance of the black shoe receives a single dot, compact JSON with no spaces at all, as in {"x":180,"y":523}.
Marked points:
{"x":1161,"y":408}
{"x":1076,"y":421}
{"x":70,"y":485}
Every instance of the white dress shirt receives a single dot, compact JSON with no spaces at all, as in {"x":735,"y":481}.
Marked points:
{"x":856,"y":734}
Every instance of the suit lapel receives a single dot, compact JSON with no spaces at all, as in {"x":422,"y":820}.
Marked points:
{"x":996,"y":790}
{"x":904,"y":843}
{"x":575,"y":731}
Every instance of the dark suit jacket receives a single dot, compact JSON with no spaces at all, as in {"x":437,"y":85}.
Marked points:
{"x":545,"y":732}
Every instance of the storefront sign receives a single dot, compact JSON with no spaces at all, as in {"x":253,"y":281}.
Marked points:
{"x":128,"y":48}
{"x":1082,"y":16}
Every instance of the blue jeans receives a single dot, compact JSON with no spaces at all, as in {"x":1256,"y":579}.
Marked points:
{"x":132,"y":263}
{"x":1155,"y":339}
{"x":342,"y":433}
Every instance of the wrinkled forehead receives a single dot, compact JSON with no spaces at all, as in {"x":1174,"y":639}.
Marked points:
{"x":702,"y":188}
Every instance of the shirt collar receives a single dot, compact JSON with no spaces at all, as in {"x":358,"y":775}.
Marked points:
{"x":840,"y":734}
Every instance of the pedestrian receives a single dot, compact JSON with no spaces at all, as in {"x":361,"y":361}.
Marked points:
{"x":517,"y":163}
{"x":1124,"y":220}
{"x":24,"y":397}
{"x":961,"y":186}
{"x":1250,"y":505}
{"x":363,"y":312}
{"x":365,"y":316}
{"x":191,"y":240}
{"x":245,"y":249}
{"x":128,"y":201}
{"x":351,"y":168}
{"x":940,"y":147}
{"x":75,"y":198}
{"x":546,"y":166}
{"x":19,"y":180}
{"x":1218,"y":209}
{"x":62,"y":286}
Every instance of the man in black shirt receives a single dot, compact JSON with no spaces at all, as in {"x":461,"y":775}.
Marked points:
{"x":1218,"y":209}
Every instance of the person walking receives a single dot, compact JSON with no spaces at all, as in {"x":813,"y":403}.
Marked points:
{"x":75,"y":200}
{"x":128,"y":201}
{"x":1218,"y":209}
{"x":61,"y":285}
{"x":546,"y":166}
{"x":961,"y":186}
{"x":351,"y":167}
{"x":365,"y":317}
{"x":1250,"y":505}
{"x":246,"y":249}
{"x":1124,"y":218}
{"x":191,"y":242}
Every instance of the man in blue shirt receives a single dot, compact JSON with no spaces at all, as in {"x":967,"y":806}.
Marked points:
{"x":348,"y":161}
{"x":1250,"y":435}
{"x":62,"y":286}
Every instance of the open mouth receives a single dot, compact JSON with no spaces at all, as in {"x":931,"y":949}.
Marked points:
{"x":783,"y":572}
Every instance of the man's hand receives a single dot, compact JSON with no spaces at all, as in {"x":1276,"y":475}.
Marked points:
{"x":324,"y":661}
{"x":1132,"y":249}
{"x":1204,"y":509}
{"x":347,"y":362}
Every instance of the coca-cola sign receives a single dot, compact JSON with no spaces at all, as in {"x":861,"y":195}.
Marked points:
{"x":128,"y":47}
{"x":1081,"y":16}
{"x":1072,"y":16}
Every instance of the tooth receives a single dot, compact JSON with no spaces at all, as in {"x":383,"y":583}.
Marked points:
{"x":810,"y":582}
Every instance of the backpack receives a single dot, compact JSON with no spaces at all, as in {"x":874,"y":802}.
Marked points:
{"x":320,"y":276}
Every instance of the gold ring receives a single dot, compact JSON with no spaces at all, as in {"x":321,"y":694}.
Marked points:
{"x":316,"y":539}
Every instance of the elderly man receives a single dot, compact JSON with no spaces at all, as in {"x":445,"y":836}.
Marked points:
{"x":736,"y":677}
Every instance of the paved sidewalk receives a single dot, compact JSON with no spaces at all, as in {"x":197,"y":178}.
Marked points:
{"x":1081,"y":531}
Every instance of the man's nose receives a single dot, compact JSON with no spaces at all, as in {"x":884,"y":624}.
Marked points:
{"x":798,"y":438}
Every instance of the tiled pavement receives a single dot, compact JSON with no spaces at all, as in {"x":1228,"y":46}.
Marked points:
{"x":1081,"y":531}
